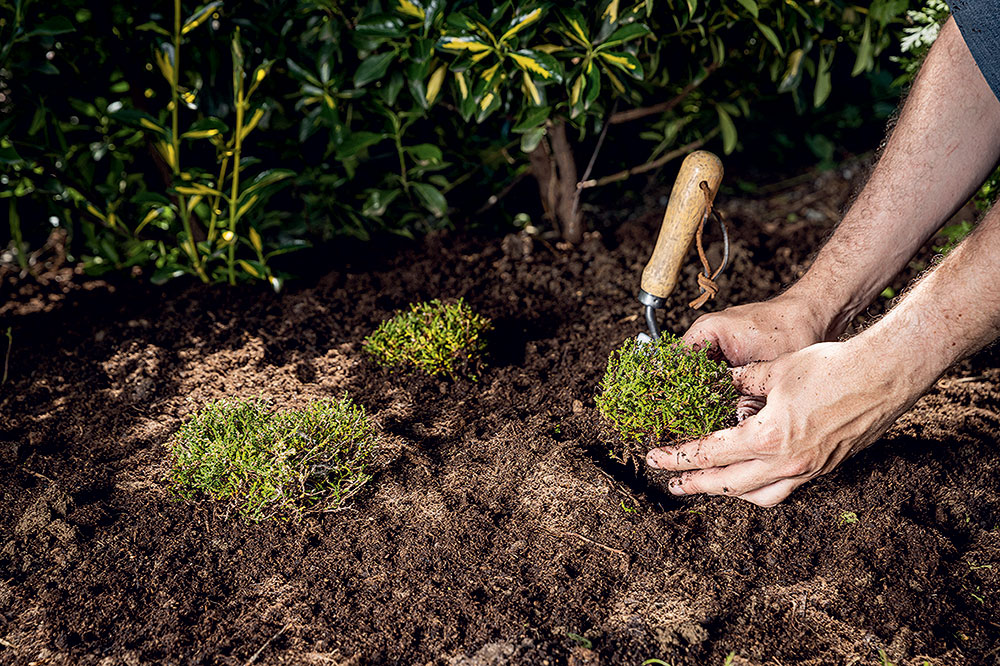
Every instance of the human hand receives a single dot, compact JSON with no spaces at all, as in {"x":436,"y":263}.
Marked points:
{"x":824,"y":404}
{"x":761,"y":331}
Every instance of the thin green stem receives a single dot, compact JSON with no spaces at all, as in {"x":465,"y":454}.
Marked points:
{"x":234,"y":193}
{"x":175,"y":141}
{"x":398,"y":136}
{"x":15,"y":233}
{"x":215,"y":202}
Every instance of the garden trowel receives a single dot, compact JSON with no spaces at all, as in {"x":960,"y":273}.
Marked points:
{"x":688,"y":210}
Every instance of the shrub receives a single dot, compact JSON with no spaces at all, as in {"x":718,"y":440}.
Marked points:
{"x":433,"y":337}
{"x":274,"y":464}
{"x":156,"y":134}
{"x":664,"y":390}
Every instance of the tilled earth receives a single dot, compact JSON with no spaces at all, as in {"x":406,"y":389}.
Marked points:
{"x":497,"y":530}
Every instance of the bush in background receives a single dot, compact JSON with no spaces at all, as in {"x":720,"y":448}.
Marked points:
{"x":160,"y":136}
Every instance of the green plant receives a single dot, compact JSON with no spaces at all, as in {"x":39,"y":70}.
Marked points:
{"x":9,"y":334}
{"x":848,"y":518}
{"x":433,"y":337}
{"x":664,"y":390}
{"x":274,"y":464}
{"x":149,"y":136}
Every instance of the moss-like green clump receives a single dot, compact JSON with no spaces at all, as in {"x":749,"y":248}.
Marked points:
{"x":274,"y":464}
{"x":665,"y":391}
{"x":436,"y":338}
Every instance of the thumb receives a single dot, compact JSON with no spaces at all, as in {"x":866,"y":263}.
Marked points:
{"x":754,"y":378}
{"x":700,"y":336}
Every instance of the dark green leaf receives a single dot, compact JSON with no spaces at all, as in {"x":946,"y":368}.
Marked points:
{"x":751,"y":6}
{"x":531,"y":139}
{"x":626,"y":33}
{"x":382,"y":26}
{"x":373,"y":68}
{"x":534,"y":117}
{"x":728,"y":130}
{"x":431,"y":198}
{"x":57,"y":25}
{"x":356,"y":142}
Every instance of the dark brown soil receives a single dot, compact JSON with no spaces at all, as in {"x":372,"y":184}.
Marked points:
{"x":496,"y":529}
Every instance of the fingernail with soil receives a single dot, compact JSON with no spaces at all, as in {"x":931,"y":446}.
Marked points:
{"x":655,"y":457}
{"x":675,"y":487}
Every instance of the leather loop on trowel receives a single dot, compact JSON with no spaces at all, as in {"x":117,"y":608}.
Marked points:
{"x":706,"y":279}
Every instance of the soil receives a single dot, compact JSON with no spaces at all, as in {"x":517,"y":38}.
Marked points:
{"x":496,"y":530}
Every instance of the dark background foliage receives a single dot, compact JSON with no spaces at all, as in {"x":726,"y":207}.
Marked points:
{"x":399,"y":117}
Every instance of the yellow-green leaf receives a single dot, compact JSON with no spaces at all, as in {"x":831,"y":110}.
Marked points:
{"x":96,"y":213}
{"x":248,"y":267}
{"x":532,"y":90}
{"x":463,"y":88}
{"x":520,"y":22}
{"x":252,"y":123}
{"x":194,"y":201}
{"x":167,"y":151}
{"x":577,"y":91}
{"x":247,"y":205}
{"x":466,"y":43}
{"x":410,"y":9}
{"x":150,"y":125}
{"x":149,"y":217}
{"x":201,"y":134}
{"x":200,"y":16}
{"x":533,"y":65}
{"x":434,"y":83}
{"x":611,"y":12}
{"x":164,"y":61}
{"x":197,"y":188}
{"x":255,"y":240}
{"x":488,"y":73}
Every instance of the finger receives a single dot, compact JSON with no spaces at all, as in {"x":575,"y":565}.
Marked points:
{"x":723,"y":447}
{"x":738,"y":479}
{"x":748,"y":405}
{"x":772,"y":494}
{"x":754,"y":378}
{"x":700,"y":335}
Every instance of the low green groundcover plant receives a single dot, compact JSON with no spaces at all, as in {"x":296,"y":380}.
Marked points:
{"x":267,"y":463}
{"x":434,"y":337}
{"x":664,"y":390}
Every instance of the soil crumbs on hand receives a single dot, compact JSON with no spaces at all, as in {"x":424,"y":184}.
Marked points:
{"x":496,"y":529}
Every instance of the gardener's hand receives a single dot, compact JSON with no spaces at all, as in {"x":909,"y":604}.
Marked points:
{"x":824,"y":403}
{"x":762,"y":331}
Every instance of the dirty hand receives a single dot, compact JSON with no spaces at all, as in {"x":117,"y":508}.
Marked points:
{"x":761,"y":331}
{"x":824,"y":403}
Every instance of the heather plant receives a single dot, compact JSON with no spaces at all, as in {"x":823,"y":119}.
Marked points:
{"x":433,"y":337}
{"x":266,"y":463}
{"x":664,"y":390}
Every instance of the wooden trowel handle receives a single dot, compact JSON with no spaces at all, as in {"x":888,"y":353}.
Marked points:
{"x":680,"y":223}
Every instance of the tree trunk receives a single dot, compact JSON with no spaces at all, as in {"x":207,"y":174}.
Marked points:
{"x":554,"y":167}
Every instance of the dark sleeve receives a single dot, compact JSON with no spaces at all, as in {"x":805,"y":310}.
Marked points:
{"x":979,"y":22}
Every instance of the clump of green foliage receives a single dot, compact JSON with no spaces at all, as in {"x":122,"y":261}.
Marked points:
{"x":267,"y":463}
{"x":208,"y":139}
{"x":665,"y":390}
{"x":434,"y":337}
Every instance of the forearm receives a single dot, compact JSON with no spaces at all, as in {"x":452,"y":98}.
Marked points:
{"x":952,"y":312}
{"x":946,"y":142}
